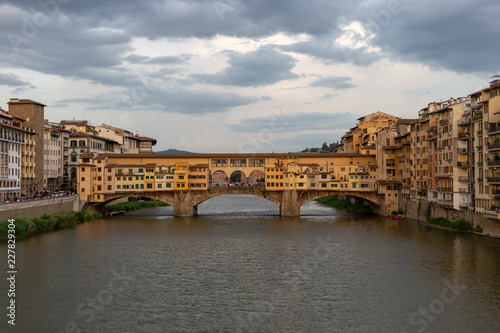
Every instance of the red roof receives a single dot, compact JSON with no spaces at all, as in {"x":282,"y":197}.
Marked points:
{"x":145,"y":138}
{"x":24,"y":101}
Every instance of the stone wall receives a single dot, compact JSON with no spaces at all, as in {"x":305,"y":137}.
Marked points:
{"x":422,"y":210}
{"x":39,"y":207}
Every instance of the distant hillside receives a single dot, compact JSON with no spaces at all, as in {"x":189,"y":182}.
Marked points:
{"x":173,"y":151}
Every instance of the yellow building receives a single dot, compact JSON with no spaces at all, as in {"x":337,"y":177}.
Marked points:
{"x":363,"y":136}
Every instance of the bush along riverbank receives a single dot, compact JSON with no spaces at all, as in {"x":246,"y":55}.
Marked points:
{"x":336,"y":202}
{"x":27,"y":226}
{"x":462,"y":225}
{"x":134,"y":205}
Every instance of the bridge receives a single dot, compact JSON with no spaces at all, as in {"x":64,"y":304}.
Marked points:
{"x":185,"y":180}
{"x":185,"y":203}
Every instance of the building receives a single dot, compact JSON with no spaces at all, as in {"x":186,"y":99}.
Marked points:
{"x":56,"y":168}
{"x":82,"y":143}
{"x":33,"y":115}
{"x":12,"y":140}
{"x":146,"y":144}
{"x":129,"y":143}
{"x":362,"y":137}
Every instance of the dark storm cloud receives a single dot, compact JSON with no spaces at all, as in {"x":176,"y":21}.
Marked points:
{"x":295,"y":122}
{"x":337,"y":83}
{"x":8,"y":79}
{"x":455,"y":35}
{"x":197,"y":102}
{"x":324,"y":48}
{"x":178,"y":100}
{"x":257,"y":68}
{"x":89,"y":39}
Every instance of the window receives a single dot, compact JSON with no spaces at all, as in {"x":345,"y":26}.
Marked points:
{"x":142,"y":186}
{"x":168,"y":185}
{"x":136,"y":186}
{"x":159,"y":185}
{"x":118,"y":187}
{"x":120,"y":170}
{"x":181,"y":177}
{"x":118,"y":178}
{"x":130,"y":178}
{"x":149,"y":185}
{"x":83,"y":179}
{"x":141,"y":170}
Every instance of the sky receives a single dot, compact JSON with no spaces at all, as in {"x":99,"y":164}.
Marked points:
{"x":243,"y":76}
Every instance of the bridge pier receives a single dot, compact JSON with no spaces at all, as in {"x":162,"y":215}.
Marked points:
{"x":183,"y":204}
{"x":290,"y":204}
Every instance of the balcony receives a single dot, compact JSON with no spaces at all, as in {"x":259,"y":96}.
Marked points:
{"x":463,"y":150}
{"x":493,"y":146}
{"x":464,"y":179}
{"x":431,"y":128}
{"x":446,"y":203}
{"x":444,"y":122}
{"x":480,"y":180}
{"x":463,"y":136}
{"x":491,"y":214}
{"x":479,"y":133}
{"x":493,"y":130}
{"x":463,"y":121}
{"x":494,"y":163}
{"x":445,"y":189}
{"x":495,"y":194}
{"x":431,"y":138}
{"x":493,"y":180}
{"x":463,"y":165}
{"x":463,"y":205}
{"x":465,"y":190}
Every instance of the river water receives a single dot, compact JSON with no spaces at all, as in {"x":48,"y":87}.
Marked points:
{"x":239,"y":267}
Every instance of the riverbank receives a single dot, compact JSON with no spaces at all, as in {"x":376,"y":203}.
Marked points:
{"x":335,"y":202}
{"x":423,"y":211}
{"x":28,"y":226}
{"x":131,"y":206}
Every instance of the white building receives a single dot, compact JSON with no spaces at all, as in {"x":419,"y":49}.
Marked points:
{"x":12,"y":138}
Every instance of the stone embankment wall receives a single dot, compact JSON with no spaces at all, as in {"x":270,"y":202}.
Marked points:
{"x":422,"y":210}
{"x":37,"y":208}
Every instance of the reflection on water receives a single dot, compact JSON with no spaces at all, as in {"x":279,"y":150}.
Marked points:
{"x":240,"y":267}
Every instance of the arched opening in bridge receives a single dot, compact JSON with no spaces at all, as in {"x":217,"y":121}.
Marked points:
{"x":256,"y":177}
{"x":220,"y":178}
{"x":237,"y":204}
{"x":238,"y":177}
{"x":322,"y":204}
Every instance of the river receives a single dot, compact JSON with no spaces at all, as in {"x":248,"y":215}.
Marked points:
{"x":239,"y":267}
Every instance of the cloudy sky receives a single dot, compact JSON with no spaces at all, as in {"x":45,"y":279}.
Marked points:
{"x":243,"y":75}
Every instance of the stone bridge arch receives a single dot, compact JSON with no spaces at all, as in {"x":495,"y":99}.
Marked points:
{"x":376,"y":201}
{"x":252,"y":190}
